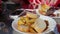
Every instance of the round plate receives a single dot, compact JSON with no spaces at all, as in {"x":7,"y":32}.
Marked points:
{"x":37,"y":11}
{"x":52,"y":24}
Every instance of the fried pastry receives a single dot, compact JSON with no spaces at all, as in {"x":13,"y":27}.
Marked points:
{"x":39,"y":25}
{"x":31,"y":15}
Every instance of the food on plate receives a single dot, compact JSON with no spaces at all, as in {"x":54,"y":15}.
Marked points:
{"x":50,"y":12}
{"x":20,"y":22}
{"x":26,"y":21}
{"x":39,"y":25}
{"x":31,"y":23}
{"x":31,"y":15}
{"x":23,"y":28}
{"x":43,"y":9}
{"x":32,"y":30}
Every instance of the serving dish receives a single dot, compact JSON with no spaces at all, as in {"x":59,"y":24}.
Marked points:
{"x":52,"y":24}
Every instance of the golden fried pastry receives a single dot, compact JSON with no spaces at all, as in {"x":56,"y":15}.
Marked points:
{"x":39,"y":25}
{"x":23,"y":28}
{"x":20,"y":22}
{"x":31,"y":15}
{"x":32,"y":31}
{"x":22,"y":18}
{"x":26,"y":19}
{"x":29,"y":21}
{"x":32,"y":20}
{"x":43,"y":9}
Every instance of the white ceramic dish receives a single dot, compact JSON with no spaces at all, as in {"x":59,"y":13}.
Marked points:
{"x":37,"y":11}
{"x":52,"y":24}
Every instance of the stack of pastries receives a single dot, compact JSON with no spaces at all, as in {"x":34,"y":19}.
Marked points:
{"x":43,"y":9}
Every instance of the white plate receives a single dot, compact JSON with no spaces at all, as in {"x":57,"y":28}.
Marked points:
{"x":52,"y":24}
{"x":37,"y":11}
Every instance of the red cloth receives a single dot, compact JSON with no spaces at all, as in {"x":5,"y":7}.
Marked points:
{"x":25,"y":6}
{"x":58,"y":2}
{"x":0,"y":1}
{"x":37,"y":1}
{"x":42,"y":2}
{"x":29,"y":6}
{"x":58,"y":27}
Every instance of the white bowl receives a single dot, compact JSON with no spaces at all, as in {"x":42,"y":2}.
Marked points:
{"x":52,"y":24}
